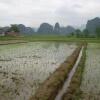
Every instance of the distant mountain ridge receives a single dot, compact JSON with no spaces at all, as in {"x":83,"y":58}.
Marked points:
{"x":67,"y":30}
{"x":25,"y":30}
{"x":46,"y":28}
{"x":57,"y":29}
{"x":93,"y":24}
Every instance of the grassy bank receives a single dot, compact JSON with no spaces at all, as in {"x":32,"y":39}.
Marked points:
{"x":49,"y":89}
{"x":61,"y":38}
{"x":51,"y":38}
{"x":73,"y":91}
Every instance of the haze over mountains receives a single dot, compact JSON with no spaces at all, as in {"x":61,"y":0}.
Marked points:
{"x":44,"y":29}
{"x":47,"y":29}
{"x":93,"y":24}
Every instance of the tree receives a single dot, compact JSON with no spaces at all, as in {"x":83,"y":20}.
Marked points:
{"x":86,"y":33}
{"x":14,"y":28}
{"x":71,"y":34}
{"x":1,"y":29}
{"x":98,"y":32}
{"x":78,"y":32}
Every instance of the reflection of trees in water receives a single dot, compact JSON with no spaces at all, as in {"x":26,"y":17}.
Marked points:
{"x":46,"y":45}
{"x":57,"y":45}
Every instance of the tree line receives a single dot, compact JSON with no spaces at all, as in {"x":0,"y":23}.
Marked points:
{"x":85,"y":33}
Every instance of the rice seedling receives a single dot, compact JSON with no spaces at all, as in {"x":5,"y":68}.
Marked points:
{"x":51,"y":86}
{"x":28,"y":66}
{"x":90,"y":86}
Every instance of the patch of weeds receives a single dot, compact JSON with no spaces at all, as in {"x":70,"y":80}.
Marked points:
{"x":74,"y":92}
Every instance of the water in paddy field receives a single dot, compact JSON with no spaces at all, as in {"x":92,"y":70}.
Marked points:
{"x":23,"y":67}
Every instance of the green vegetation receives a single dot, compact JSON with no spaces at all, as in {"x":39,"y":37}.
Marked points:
{"x":86,"y":33}
{"x":82,"y":34}
{"x":73,"y":91}
{"x":78,"y":33}
{"x":98,"y":32}
{"x":13,"y":28}
{"x":51,"y":38}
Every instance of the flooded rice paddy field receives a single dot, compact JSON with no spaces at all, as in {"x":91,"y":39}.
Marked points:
{"x":91,"y":77}
{"x":23,"y":67}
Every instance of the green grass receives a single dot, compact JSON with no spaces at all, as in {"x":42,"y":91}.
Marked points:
{"x":74,"y":92}
{"x":6,"y":38}
{"x":51,"y":38}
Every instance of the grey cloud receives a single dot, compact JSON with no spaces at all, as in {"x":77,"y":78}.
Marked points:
{"x":77,"y":6}
{"x":34,"y":12}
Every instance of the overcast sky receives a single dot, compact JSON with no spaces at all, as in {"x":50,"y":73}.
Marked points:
{"x":34,"y":12}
